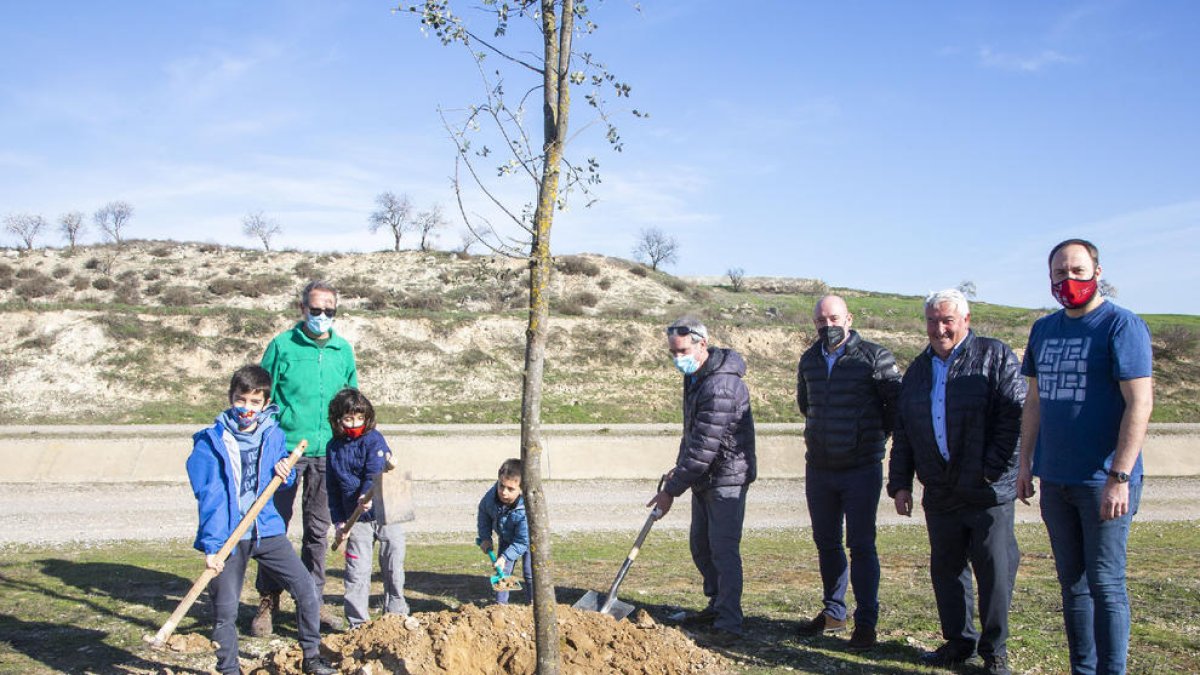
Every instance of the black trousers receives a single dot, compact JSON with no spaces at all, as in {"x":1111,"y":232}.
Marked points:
{"x":984,"y":538}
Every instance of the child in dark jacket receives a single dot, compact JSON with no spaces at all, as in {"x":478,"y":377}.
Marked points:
{"x":502,"y":510}
{"x":355,"y":457}
{"x":230,"y":465}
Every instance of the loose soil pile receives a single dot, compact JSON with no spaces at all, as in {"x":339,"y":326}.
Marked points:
{"x":500,"y":639}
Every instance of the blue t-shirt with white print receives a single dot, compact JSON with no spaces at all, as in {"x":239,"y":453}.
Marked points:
{"x":1079,"y":365}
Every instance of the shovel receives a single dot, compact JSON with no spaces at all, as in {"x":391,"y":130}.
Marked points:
{"x":159,"y":640}
{"x":500,"y":581}
{"x":609,"y":604}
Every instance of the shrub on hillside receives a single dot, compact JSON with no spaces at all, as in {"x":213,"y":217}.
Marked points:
{"x":128,"y":292}
{"x":151,"y":275}
{"x":430,"y":301}
{"x":160,"y":251}
{"x":6,"y":270}
{"x":92,"y":264}
{"x":1176,"y":342}
{"x":605,"y":283}
{"x":28,"y":273}
{"x":38,"y":286}
{"x":638,"y":271}
{"x":80,"y":283}
{"x":180,"y":296}
{"x":102,"y":283}
{"x":60,"y":272}
{"x":307,"y":271}
{"x":573,"y":264}
{"x":7,"y":283}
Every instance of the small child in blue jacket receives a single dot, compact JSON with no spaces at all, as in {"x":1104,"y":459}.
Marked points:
{"x":230,"y":465}
{"x":354,"y":458}
{"x":502,"y":510}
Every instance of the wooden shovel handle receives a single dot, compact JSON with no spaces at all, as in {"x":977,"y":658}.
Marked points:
{"x":358,"y":510}
{"x":160,"y":638}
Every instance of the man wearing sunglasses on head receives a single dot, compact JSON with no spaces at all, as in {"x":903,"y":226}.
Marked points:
{"x":716,"y":461}
{"x":309,"y":364}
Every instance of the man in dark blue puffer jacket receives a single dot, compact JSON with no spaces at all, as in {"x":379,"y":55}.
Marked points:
{"x":958,"y":427}
{"x":716,"y":460}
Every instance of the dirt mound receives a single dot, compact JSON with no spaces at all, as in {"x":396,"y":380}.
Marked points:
{"x":500,"y":639}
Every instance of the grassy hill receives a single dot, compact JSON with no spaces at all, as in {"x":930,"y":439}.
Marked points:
{"x":150,"y":333}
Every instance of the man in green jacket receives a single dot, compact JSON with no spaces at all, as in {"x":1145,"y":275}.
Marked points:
{"x":309,"y":363}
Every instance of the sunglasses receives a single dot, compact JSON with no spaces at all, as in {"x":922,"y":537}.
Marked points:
{"x":685,"y":330}
{"x":317,"y":311}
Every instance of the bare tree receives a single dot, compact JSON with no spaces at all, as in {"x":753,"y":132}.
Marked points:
{"x":967,"y":288}
{"x":71,"y":225}
{"x":427,"y":223}
{"x":537,"y":159}
{"x":737,"y":278}
{"x":656,"y":247}
{"x":25,"y":226}
{"x":465,"y":241}
{"x":394,"y":213}
{"x":112,"y":218}
{"x":1107,"y":289}
{"x":257,"y":225}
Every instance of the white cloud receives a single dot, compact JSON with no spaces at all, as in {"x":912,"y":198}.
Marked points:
{"x":1026,"y":63}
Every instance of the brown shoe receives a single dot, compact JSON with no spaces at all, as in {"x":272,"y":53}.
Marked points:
{"x":862,"y":639}
{"x":263,"y":623}
{"x":822,"y":623}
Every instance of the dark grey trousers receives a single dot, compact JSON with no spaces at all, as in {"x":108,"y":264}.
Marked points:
{"x":716,"y":543}
{"x":275,"y":555}
{"x":314,"y":507}
{"x":984,"y":538}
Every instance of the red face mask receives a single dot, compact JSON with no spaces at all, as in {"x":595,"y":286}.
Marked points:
{"x":353,"y":433}
{"x":1074,"y":293}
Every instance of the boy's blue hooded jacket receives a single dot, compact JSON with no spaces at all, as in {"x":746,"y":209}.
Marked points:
{"x":508,"y":521}
{"x":215,"y":477}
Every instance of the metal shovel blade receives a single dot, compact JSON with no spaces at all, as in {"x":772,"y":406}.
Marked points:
{"x":594,"y":602}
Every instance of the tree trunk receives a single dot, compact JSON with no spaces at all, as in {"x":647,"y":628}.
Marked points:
{"x":556,"y":104}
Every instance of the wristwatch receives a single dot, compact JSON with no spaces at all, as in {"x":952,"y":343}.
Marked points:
{"x":1119,"y":476}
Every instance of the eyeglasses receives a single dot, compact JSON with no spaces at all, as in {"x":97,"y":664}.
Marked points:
{"x":686,"y":330}
{"x":317,"y":311}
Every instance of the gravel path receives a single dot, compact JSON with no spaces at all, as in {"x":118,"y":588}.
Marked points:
{"x":92,"y":513}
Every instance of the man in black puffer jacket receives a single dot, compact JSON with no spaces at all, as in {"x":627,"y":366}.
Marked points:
{"x":846,"y":387}
{"x":716,"y":460}
{"x":958,"y":428}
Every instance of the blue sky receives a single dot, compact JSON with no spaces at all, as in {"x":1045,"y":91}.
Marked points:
{"x":880,"y":145}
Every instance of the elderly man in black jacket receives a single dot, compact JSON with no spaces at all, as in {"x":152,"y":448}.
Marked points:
{"x":846,"y":387}
{"x":716,"y":460}
{"x":958,"y":428}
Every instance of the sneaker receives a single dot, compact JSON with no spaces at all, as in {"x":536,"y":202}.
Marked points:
{"x":263,"y":623}
{"x":719,"y":637}
{"x":997,"y":665}
{"x":862,"y":639}
{"x":822,"y":623}
{"x":317,"y":665}
{"x":950,"y":655}
{"x":701,"y":618}
{"x":330,"y":622}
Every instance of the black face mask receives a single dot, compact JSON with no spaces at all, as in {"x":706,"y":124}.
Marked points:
{"x":832,"y":336}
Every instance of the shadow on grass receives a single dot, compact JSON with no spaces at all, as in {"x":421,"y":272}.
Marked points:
{"x":68,"y":649}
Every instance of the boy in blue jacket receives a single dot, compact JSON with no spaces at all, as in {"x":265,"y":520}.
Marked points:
{"x":502,"y":510}
{"x":355,"y":457}
{"x":230,"y":465}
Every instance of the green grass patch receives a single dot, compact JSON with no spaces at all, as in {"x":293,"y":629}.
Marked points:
{"x":86,"y":608}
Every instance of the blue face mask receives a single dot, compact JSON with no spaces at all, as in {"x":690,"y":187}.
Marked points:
{"x":318,"y":324}
{"x":687,"y":364}
{"x":246,"y":417}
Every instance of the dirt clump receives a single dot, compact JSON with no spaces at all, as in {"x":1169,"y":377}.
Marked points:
{"x":500,"y":639}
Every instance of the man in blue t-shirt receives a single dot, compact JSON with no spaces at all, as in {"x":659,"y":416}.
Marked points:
{"x":1085,"y":416}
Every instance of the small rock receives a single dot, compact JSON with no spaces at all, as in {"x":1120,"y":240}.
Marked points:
{"x":642,"y":619}
{"x":411,"y":623}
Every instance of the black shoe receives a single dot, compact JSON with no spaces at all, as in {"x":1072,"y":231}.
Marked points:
{"x":997,"y":665}
{"x":719,"y":637}
{"x":318,"y":665}
{"x":949,"y":655}
{"x":862,"y":639}
{"x":702,"y":618}
{"x":821,"y":623}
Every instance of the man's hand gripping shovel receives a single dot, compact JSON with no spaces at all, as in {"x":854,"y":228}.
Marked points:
{"x":609,"y":604}
{"x":159,"y":640}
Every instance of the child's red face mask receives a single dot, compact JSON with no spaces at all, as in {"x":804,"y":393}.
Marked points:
{"x":354,"y":425}
{"x":353,"y":433}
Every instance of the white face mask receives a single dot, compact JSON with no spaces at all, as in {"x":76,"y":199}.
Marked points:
{"x":687,"y":364}
{"x":318,"y":324}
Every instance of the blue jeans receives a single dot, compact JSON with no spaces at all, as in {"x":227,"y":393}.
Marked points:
{"x":851,"y":495}
{"x":1089,"y":554}
{"x":716,"y":542}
